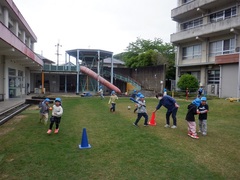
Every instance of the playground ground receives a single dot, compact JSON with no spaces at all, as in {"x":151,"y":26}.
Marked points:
{"x":118,"y":149}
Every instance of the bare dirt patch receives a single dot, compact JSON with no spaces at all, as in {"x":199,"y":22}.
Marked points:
{"x":5,"y":128}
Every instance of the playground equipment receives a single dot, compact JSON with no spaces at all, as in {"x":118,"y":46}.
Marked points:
{"x":99,"y":78}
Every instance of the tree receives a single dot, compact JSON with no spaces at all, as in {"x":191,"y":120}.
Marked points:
{"x":188,"y":81}
{"x":142,"y":53}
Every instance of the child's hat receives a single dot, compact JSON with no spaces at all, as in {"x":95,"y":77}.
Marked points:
{"x":47,"y":100}
{"x":58,"y":99}
{"x":113,"y":92}
{"x":203,"y":99}
{"x":141,"y":96}
{"x":196,"y":102}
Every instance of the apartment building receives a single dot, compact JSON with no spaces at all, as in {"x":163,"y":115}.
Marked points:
{"x":17,"y":57}
{"x":207,"y":41}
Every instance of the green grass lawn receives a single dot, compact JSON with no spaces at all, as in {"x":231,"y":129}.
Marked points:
{"x":120,"y":150}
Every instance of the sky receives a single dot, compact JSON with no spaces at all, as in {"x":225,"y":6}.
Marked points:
{"x":108,"y":25}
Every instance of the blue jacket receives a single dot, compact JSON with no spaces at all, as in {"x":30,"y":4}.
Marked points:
{"x":168,"y":102}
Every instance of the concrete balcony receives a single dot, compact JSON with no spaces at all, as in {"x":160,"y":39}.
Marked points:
{"x":205,"y":31}
{"x":196,"y":8}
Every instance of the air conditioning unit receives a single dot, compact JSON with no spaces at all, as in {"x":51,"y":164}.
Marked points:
{"x":213,"y":89}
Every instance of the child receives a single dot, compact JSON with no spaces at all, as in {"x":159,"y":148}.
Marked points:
{"x":203,"y":109}
{"x":112,"y":100}
{"x":134,"y":94}
{"x":137,"y":98}
{"x":142,"y":111}
{"x":165,"y":92}
{"x":200,"y":91}
{"x":192,"y":110}
{"x":101,"y":92}
{"x":44,"y":110}
{"x":57,"y":112}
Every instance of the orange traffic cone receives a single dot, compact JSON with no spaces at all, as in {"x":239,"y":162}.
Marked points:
{"x":152,"y":120}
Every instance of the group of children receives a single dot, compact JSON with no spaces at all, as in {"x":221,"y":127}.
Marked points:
{"x":198,"y":106}
{"x":57,"y":112}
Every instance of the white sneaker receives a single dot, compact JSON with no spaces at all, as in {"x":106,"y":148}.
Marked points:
{"x":173,"y":127}
{"x":166,"y":126}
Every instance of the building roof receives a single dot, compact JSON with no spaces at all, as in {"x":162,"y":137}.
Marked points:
{"x":44,"y":59}
{"x":115,"y":61}
{"x":89,"y":54}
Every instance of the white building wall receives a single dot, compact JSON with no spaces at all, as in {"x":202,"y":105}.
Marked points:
{"x":229,"y":80}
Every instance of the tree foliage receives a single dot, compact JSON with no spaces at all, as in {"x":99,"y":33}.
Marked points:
{"x":142,"y":53}
{"x":188,"y":81}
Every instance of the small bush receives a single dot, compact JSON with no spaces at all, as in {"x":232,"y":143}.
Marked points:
{"x":188,"y":81}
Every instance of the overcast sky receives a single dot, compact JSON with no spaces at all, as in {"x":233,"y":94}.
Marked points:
{"x":96,"y":24}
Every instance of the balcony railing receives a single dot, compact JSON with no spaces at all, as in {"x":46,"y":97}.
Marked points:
{"x":206,"y":29}
{"x":50,"y":67}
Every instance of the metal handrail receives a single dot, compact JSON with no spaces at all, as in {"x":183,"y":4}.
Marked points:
{"x":125,"y":79}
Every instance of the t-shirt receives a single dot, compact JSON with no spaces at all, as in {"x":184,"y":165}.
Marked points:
{"x":203,"y":108}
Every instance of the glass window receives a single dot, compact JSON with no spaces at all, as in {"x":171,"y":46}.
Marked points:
{"x":224,"y":14}
{"x":192,"y":24}
{"x":219,"y":16}
{"x":11,"y":72}
{"x":186,"y":1}
{"x":213,"y":76}
{"x":228,"y":13}
{"x":20,"y":73}
{"x":222,"y":47}
{"x":192,"y":52}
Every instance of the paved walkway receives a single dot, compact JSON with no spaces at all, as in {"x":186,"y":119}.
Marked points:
{"x":12,"y":102}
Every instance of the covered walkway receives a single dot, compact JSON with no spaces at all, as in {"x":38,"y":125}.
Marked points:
{"x":12,"y":102}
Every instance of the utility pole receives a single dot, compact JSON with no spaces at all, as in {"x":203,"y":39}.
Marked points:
{"x":58,"y":45}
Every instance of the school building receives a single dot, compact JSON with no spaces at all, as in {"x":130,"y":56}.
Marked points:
{"x":207,"y":41}
{"x":22,"y":71}
{"x":17,"y":57}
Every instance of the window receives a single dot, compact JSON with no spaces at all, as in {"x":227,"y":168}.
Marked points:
{"x":186,"y":1}
{"x":222,"y":47}
{"x":192,"y":24}
{"x":224,"y":14}
{"x":11,"y":72}
{"x":20,"y":73}
{"x":213,"y":76}
{"x":192,"y":52}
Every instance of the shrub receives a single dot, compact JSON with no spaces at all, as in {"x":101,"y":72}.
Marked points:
{"x":188,"y":81}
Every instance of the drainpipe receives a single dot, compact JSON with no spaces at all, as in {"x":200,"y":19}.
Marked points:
{"x":112,"y":69}
{"x":220,"y":83}
{"x":78,"y":68}
{"x":98,"y":68}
